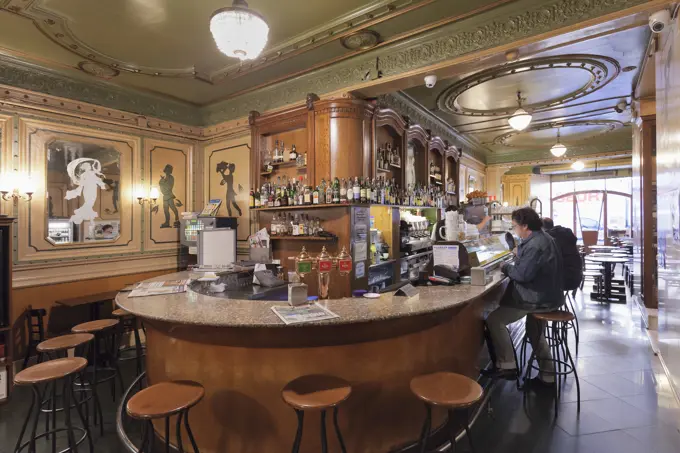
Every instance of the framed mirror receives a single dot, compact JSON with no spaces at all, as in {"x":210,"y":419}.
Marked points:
{"x":83,"y":192}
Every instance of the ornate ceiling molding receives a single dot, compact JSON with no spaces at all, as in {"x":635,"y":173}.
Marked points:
{"x":601,"y":71}
{"x":58,"y":29}
{"x":519,"y":20}
{"x":608,"y":125}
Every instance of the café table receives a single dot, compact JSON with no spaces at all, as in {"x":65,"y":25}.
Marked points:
{"x":94,"y":302}
{"x":608,"y":262}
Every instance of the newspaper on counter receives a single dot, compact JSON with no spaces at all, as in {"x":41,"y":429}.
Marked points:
{"x":159,"y":288}
{"x":303,"y":313}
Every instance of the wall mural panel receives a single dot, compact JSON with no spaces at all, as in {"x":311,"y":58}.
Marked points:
{"x":228,"y":167}
{"x":168,"y":169}
{"x":83,"y":204}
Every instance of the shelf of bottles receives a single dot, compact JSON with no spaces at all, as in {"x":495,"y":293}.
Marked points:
{"x":299,"y":227}
{"x":282,"y":157}
{"x":286,"y":193}
{"x":435,"y":174}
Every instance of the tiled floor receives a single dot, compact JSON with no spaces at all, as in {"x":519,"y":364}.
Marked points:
{"x":627,"y":403}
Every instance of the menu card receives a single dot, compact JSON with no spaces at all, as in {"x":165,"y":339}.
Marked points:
{"x":159,"y":288}
{"x":303,"y":313}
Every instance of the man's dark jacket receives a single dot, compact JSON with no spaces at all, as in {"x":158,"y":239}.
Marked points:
{"x":571,"y":260}
{"x":536,"y":274}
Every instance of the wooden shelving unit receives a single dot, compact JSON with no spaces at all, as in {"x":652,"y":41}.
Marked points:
{"x":304,"y":238}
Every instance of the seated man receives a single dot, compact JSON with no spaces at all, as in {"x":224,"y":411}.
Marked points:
{"x":571,"y":259}
{"x":535,"y":286}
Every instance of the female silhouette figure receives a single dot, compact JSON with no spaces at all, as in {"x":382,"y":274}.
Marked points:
{"x":85,"y":174}
{"x":228,"y":179}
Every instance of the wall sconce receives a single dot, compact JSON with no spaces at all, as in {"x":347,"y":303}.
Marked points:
{"x":152,"y":199}
{"x":15,"y":186}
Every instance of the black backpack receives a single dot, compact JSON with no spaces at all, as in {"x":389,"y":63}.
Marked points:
{"x":572,"y":264}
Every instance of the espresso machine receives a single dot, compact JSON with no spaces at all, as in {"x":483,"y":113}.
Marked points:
{"x":415,"y":245}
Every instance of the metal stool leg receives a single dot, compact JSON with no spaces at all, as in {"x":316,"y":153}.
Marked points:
{"x":189,"y":433}
{"x":578,"y":384}
{"x":34,"y":402}
{"x":298,"y":435}
{"x":337,"y":430}
{"x":178,"y":429}
{"x":324,"y":440}
{"x":67,"y":415}
{"x":425,"y":433}
{"x":83,"y":420}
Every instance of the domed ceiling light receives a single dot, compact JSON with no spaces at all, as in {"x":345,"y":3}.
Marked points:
{"x":558,"y":149}
{"x":520,"y":119}
{"x":238,"y":31}
{"x":578,"y":165}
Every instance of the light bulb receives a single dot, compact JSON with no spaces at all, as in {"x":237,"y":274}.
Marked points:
{"x":519,"y":120}
{"x":558,"y":150}
{"x":578,"y":165}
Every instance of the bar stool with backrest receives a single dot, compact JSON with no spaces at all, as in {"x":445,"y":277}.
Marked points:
{"x":56,"y":348}
{"x":47,"y":373}
{"x":451,"y":391}
{"x":130,"y":324}
{"x":36,"y":331}
{"x":316,"y":392}
{"x":162,"y":401}
{"x":556,"y":336}
{"x":104,"y":331}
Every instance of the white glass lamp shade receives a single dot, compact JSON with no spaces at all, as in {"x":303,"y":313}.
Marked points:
{"x":8,"y":181}
{"x":558,"y":150}
{"x":26,"y":185}
{"x":519,"y":120}
{"x":578,"y":165}
{"x":140,"y":193}
{"x":153,"y":194}
{"x":239,"y":32}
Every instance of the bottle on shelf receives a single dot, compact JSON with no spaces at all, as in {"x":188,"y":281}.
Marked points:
{"x":292,"y":155}
{"x":315,"y":196}
{"x":300,"y":160}
{"x":329,"y":193}
{"x":251,"y":199}
{"x":336,"y":191}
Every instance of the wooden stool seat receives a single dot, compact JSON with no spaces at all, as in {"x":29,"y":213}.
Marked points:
{"x":120,"y":313}
{"x":64,"y":342}
{"x":165,"y":399}
{"x":50,"y":371}
{"x":95,"y":326}
{"x":446,"y":389}
{"x":316,"y":391}
{"x":554,"y":316}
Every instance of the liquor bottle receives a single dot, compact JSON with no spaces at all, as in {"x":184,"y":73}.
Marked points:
{"x":292,"y":155}
{"x":277,"y":199}
{"x":356,"y":191}
{"x":329,"y":193}
{"x":343,"y":191}
{"x":369,"y":191}
{"x":299,"y":161}
{"x":251,"y":199}
{"x":300,"y":193}
{"x":362,"y":192}
{"x":307,"y":195}
{"x":296,"y":226}
{"x":397,"y":156}
{"x":336,"y":191}
{"x":256,"y":199}
{"x":431,"y":168}
{"x":275,"y":157}
{"x":315,"y":196}
{"x":304,"y":161}
{"x":322,"y":191}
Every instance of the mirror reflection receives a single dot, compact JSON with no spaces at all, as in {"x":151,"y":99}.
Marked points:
{"x":83,"y":190}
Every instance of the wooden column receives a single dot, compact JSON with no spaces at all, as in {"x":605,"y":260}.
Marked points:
{"x":342,"y":139}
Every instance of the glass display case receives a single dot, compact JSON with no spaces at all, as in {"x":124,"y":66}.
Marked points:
{"x":489,"y":249}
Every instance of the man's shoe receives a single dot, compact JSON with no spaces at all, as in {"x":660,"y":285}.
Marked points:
{"x":539,"y":384}
{"x":509,"y":374}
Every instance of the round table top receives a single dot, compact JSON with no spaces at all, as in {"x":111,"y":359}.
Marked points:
{"x":607,"y":259}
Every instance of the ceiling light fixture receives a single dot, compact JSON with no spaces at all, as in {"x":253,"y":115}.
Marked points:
{"x":520,"y":119}
{"x":578,"y":165}
{"x":558,"y":149}
{"x":238,"y":31}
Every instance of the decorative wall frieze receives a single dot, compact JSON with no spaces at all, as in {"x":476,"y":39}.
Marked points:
{"x":503,"y":25}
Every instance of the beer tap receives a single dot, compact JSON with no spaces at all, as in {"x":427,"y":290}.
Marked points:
{"x":324,"y":263}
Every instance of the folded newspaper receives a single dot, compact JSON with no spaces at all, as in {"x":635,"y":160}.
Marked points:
{"x":303,"y":313}
{"x":159,"y":288}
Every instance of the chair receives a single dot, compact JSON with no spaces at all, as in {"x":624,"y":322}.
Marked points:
{"x":35,"y":318}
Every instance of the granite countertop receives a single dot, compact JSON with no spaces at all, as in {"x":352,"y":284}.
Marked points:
{"x":198,"y":309}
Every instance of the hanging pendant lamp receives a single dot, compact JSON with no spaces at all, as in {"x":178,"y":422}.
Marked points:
{"x":578,"y":165}
{"x":521,"y":119}
{"x":238,"y":31}
{"x":558,"y":149}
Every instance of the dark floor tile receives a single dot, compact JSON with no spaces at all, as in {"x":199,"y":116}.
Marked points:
{"x":657,"y":439}
{"x":618,"y":386}
{"x":611,"y":441}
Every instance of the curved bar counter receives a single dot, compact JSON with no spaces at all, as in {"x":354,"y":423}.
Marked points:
{"x":244,"y":354}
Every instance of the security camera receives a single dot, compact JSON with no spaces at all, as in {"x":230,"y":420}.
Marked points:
{"x":430,"y":81}
{"x":621,"y":107}
{"x":659,"y":20}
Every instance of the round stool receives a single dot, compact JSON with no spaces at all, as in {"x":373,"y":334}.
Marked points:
{"x":129,"y":324}
{"x":556,"y":327}
{"x":55,"y":348}
{"x":452,"y":391}
{"x":162,"y":401}
{"x":104,"y":334}
{"x":48,"y":373}
{"x":316,"y":392}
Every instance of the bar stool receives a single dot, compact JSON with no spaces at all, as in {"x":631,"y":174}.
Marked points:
{"x":104,"y":333}
{"x":316,"y":392}
{"x":48,"y":373}
{"x":36,"y":331}
{"x":164,"y":400}
{"x":451,"y":391}
{"x":56,"y":348}
{"x":129,"y":324}
{"x":556,"y":336}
